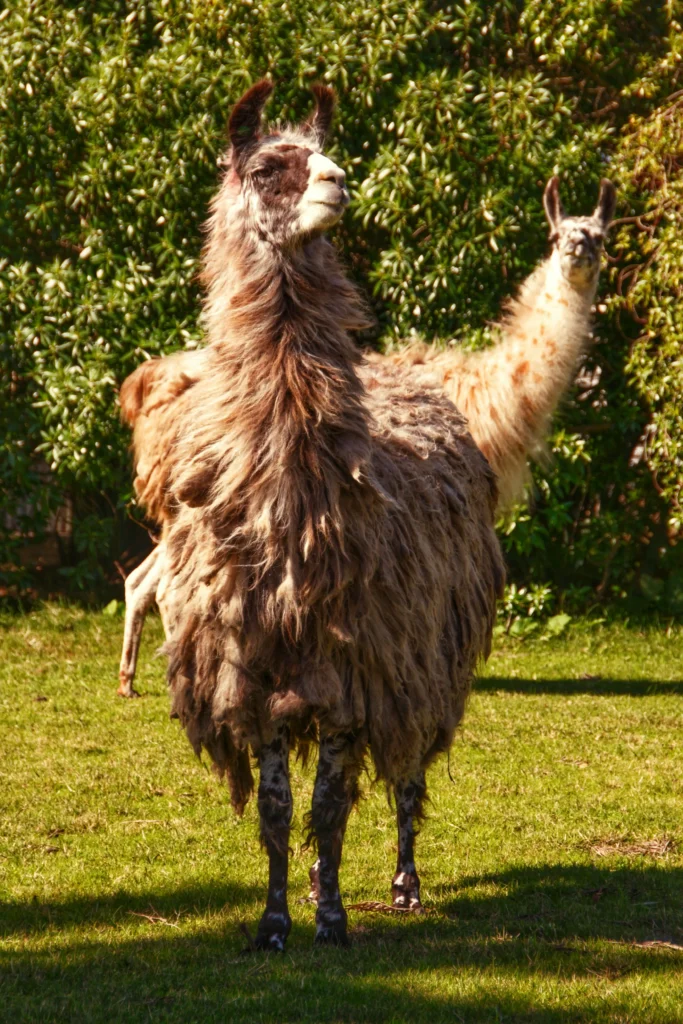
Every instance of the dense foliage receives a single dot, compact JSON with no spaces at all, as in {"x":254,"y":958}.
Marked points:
{"x":452,"y":117}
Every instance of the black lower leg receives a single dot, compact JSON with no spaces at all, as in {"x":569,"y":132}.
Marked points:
{"x":336,"y":789}
{"x":275,"y":811}
{"x":405,"y":886}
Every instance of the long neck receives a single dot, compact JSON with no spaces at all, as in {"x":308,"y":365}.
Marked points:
{"x":509,"y":392}
{"x":281,"y":436}
{"x":283,"y":342}
{"x":546,"y":331}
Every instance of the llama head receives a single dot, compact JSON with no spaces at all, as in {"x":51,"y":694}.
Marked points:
{"x":578,"y":241}
{"x":278,"y":184}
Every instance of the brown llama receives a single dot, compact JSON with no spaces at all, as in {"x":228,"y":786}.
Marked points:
{"x":332,"y":546}
{"x":151,"y":398}
{"x":508,"y":393}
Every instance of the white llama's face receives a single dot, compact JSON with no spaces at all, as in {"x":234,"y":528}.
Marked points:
{"x":281,"y":185}
{"x":325,"y":197}
{"x":579,"y":241}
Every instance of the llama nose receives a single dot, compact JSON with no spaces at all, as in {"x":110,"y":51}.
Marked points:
{"x":334,"y":175}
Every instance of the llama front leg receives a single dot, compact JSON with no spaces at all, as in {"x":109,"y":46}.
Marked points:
{"x":275,"y":812}
{"x":314,"y":879}
{"x":405,"y":886}
{"x":334,"y":794}
{"x":140,"y":590}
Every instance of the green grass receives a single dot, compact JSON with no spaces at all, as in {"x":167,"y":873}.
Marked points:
{"x":124,"y":875}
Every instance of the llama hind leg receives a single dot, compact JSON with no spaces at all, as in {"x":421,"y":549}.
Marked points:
{"x":275,"y":812}
{"x":334,"y":794}
{"x":405,"y":886}
{"x":140,"y":589}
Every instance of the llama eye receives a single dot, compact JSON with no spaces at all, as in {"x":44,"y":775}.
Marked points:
{"x":264,"y":172}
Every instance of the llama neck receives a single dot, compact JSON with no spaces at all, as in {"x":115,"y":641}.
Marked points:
{"x":279,"y":324}
{"x":510,"y":391}
{"x":546,"y":332}
{"x":280,"y":439}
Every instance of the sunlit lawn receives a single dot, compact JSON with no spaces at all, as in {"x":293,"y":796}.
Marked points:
{"x":551,"y":860}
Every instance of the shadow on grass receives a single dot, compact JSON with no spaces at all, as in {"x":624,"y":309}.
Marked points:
{"x":608,"y":900}
{"x":116,"y":908}
{"x":596,"y":685}
{"x":484,"y":953}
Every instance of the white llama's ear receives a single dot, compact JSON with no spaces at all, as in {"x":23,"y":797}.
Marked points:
{"x":554,"y":210}
{"x":318,"y":124}
{"x":244,"y":126}
{"x":607,"y":203}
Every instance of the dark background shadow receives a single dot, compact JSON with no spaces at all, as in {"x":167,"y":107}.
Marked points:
{"x":597,"y":685}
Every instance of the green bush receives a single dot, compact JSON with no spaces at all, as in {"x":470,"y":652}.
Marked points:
{"x":451,"y":119}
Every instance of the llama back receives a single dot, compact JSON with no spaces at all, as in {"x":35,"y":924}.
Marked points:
{"x":483,"y":390}
{"x":152,"y":399}
{"x":445,"y":493}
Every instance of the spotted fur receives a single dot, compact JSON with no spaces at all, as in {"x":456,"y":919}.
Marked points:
{"x":275,"y":813}
{"x":334,"y":794}
{"x":508,"y":393}
{"x":405,"y":887}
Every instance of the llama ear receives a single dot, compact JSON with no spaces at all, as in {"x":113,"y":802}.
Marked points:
{"x":318,"y":124}
{"x":244,"y":126}
{"x":607,"y":203}
{"x":554,"y":210}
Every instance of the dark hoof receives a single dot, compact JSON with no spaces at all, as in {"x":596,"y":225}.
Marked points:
{"x":272,"y":943}
{"x":273,"y":929}
{"x":405,"y":893}
{"x":331,"y":935}
{"x":413,"y":906}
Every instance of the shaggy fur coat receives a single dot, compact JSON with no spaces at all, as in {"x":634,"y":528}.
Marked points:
{"x":333,"y":536}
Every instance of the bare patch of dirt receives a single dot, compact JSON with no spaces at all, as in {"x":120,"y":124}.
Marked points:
{"x":623,"y":846}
